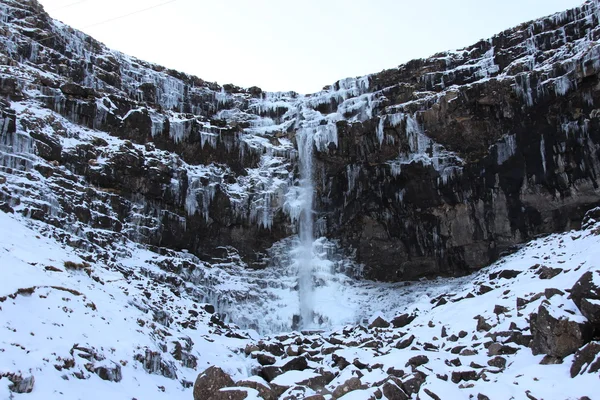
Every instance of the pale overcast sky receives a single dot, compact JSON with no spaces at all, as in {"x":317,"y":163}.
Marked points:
{"x":299,"y":45}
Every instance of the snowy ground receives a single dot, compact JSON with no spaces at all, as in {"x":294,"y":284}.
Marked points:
{"x":51,"y":310}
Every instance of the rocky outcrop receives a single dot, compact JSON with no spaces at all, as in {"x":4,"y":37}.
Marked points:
{"x":436,"y":167}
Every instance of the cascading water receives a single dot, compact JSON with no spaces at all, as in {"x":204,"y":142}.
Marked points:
{"x":304,"y":253}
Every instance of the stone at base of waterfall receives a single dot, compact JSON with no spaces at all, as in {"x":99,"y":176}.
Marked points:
{"x":379,"y":323}
{"x":587,"y":359}
{"x":210,"y":382}
{"x":555,"y":332}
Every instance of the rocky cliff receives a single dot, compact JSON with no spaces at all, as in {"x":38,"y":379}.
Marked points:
{"x":435,"y":167}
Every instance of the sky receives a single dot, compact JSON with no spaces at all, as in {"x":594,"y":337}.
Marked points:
{"x":299,"y":45}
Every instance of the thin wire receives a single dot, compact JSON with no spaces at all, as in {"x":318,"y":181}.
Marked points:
{"x":130,"y":14}
{"x":66,"y":6}
{"x":110,"y":19}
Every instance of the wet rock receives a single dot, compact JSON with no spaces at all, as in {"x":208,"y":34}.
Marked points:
{"x":554,"y":336}
{"x":210,"y":382}
{"x":587,"y":359}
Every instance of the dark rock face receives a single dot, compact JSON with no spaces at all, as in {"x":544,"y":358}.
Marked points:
{"x":556,"y":336}
{"x":436,"y":167}
{"x":210,"y":382}
{"x":587,"y":359}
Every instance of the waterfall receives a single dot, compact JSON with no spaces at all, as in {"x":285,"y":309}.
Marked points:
{"x":304,"y":255}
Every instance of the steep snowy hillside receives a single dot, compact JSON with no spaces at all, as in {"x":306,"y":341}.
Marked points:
{"x":76,"y":326}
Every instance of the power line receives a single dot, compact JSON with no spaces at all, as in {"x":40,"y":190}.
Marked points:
{"x":130,"y":14}
{"x":66,"y":6}
{"x":110,"y":19}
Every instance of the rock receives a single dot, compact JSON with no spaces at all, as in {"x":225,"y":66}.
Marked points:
{"x":265,"y":359}
{"x":587,"y":286}
{"x":392,"y":391}
{"x":229,"y":394}
{"x":340,"y":361}
{"x":556,"y":337}
{"x":482,"y":397}
{"x":412,"y":383}
{"x":547,"y":272}
{"x":263,"y":389}
{"x":498,"y":362}
{"x":500,"y":349}
{"x":297,"y":364}
{"x":483,"y":289}
{"x":549,"y":292}
{"x":379,"y":323}
{"x":317,"y":383}
{"x":458,"y":376}
{"x":402,"y":344}
{"x":431,"y":394}
{"x":270,"y":372}
{"x":417,"y":361}
{"x":500,"y":310}
{"x":587,"y":359}
{"x":398,"y":373}
{"x":20,"y":384}
{"x":462,"y":334}
{"x":482,"y":324}
{"x":551,"y":360}
{"x":154,"y":364}
{"x":350,"y":385}
{"x":210,"y":382}
{"x":402,"y":320}
{"x":108,"y":371}
{"x":505,"y":274}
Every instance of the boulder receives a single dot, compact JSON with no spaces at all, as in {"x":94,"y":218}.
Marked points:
{"x":263,"y":389}
{"x":587,"y":359}
{"x":402,"y":320}
{"x":391,"y":391}
{"x":557,"y":335}
{"x":379,"y":323}
{"x":210,"y":382}
{"x":350,"y":385}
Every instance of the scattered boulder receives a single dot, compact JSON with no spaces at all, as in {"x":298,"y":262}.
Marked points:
{"x":210,"y":382}
{"x":229,"y":394}
{"x":417,"y":361}
{"x":19,"y":383}
{"x":265,"y":359}
{"x":587,"y":359}
{"x":110,"y":371}
{"x":402,"y":320}
{"x":556,"y":336}
{"x":482,"y":324}
{"x":379,"y":323}
{"x":392,"y":391}
{"x":498,"y":362}
{"x":412,"y":383}
{"x":270,"y":372}
{"x":263,"y":389}
{"x":350,"y":385}
{"x":505,"y":274}
{"x":402,"y":344}
{"x":297,"y":364}
{"x":548,"y":273}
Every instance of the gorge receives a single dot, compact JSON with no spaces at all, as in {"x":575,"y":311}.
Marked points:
{"x":157,"y":226}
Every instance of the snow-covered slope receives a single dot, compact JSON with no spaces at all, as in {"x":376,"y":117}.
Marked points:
{"x":67,"y":319}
